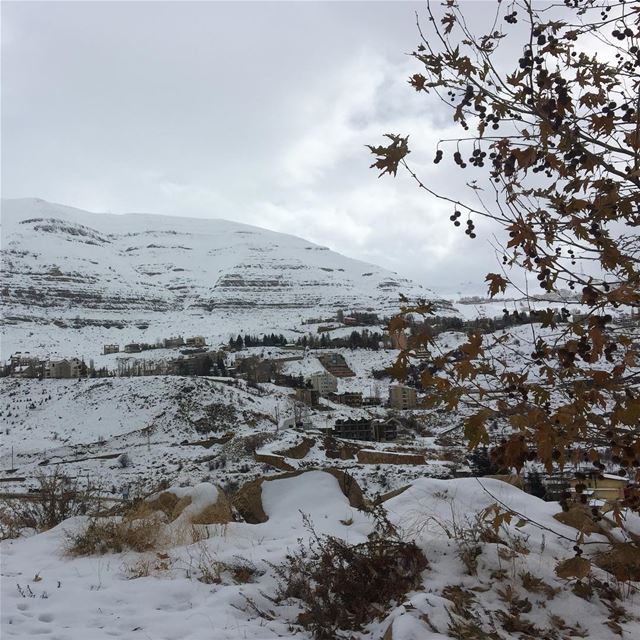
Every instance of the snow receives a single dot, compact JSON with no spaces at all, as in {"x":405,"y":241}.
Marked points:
{"x":85,"y":425}
{"x":93,"y":597}
{"x":139,"y":278}
{"x":96,"y":597}
{"x":316,"y":494}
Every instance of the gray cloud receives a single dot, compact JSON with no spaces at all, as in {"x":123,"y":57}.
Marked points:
{"x":257,"y":112}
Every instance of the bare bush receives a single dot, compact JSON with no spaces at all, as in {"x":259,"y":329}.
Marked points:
{"x":344,"y":586}
{"x":57,"y":498}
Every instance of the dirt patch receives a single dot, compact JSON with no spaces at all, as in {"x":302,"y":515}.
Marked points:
{"x":513,"y":480}
{"x":391,"y":494}
{"x":339,"y":450}
{"x":218,"y":513}
{"x":299,"y":451}
{"x":274,"y":460}
{"x":165,"y":502}
{"x":248,"y":502}
{"x":181,"y":505}
{"x":366,"y":456}
{"x":349,"y":487}
{"x":173,"y":507}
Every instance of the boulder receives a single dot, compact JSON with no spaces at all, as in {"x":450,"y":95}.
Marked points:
{"x":248,"y":499}
{"x":202,"y":504}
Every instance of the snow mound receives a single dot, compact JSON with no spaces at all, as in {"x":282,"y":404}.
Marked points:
{"x":316,"y":493}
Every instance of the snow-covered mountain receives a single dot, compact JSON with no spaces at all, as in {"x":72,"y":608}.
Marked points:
{"x":68,"y":268}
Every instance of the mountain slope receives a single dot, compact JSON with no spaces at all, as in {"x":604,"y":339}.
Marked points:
{"x":61,"y":264}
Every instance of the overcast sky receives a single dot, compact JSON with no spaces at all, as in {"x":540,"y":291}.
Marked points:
{"x":256,"y":112}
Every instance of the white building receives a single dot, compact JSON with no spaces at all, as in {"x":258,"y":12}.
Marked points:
{"x":402,"y":397}
{"x":324,"y":383}
{"x":67,"y":368}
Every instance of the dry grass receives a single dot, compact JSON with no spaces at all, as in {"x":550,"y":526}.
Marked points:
{"x":148,"y":566}
{"x":243,"y":571}
{"x":114,"y":535}
{"x":536,"y":585}
{"x":209,"y":570}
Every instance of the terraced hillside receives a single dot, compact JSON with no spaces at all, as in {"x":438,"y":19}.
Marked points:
{"x":67,"y":269}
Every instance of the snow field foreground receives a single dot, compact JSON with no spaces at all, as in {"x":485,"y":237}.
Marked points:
{"x":513,"y":592}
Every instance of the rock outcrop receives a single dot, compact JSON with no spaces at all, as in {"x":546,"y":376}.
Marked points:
{"x":248,"y":499}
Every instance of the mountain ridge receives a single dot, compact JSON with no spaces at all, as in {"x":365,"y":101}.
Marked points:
{"x":62,"y":263}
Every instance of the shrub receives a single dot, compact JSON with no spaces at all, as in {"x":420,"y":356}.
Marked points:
{"x":344,"y":586}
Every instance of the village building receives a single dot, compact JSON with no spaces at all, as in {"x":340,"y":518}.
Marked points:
{"x":63,"y":368}
{"x":132,"y":347}
{"x":385,"y":431}
{"x":324,"y":383}
{"x":173,"y":342}
{"x":110,"y":348}
{"x":31,"y":370}
{"x":402,"y":397}
{"x":353,"y":429}
{"x":366,"y":430}
{"x":285,"y":380}
{"x":297,"y":422}
{"x":351,"y":399}
{"x":255,"y":370}
{"x":193,"y":365}
{"x":196,"y":341}
{"x":23,"y":365}
{"x":602,"y":486}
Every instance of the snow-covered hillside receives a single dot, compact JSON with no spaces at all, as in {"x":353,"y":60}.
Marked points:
{"x":139,"y":277}
{"x":181,"y":428}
